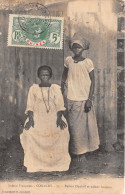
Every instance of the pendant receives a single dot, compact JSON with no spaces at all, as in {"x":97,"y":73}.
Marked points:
{"x":47,"y":111}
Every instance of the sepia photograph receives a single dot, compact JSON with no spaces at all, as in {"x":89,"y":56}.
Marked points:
{"x":62,"y":96}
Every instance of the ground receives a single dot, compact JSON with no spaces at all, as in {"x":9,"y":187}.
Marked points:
{"x":99,"y":163}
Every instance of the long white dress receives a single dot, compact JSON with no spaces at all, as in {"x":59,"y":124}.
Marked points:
{"x":46,"y":145}
{"x":83,"y":128}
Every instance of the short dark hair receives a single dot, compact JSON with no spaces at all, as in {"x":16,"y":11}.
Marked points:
{"x":45,"y":67}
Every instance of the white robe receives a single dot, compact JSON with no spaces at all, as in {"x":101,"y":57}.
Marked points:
{"x":46,"y":145}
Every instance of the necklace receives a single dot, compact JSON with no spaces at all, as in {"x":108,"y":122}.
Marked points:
{"x":47,"y":108}
{"x":79,"y":60}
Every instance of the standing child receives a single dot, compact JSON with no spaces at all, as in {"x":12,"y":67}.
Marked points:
{"x":79,"y":73}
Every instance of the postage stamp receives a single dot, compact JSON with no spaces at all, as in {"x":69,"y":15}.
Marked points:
{"x":35,"y":31}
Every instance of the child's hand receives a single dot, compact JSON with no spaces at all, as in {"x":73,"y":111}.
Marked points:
{"x":61,"y":123}
{"x":29,"y":124}
{"x":88,"y":105}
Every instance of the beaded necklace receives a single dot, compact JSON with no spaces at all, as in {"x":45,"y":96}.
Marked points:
{"x":47,"y":108}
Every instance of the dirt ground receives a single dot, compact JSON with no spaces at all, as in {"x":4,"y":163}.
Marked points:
{"x":99,"y":163}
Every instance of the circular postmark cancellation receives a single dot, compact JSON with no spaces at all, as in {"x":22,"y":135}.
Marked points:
{"x":33,"y":25}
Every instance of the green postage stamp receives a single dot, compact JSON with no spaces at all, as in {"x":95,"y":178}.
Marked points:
{"x":35,"y":31}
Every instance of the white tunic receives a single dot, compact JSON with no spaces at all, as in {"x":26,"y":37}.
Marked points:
{"x":46,"y":145}
{"x":78,"y":78}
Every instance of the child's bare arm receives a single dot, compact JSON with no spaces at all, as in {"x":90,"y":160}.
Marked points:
{"x":64,"y":77}
{"x":88,"y":103}
{"x":92,"y":77}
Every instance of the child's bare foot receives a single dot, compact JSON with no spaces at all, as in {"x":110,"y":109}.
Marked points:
{"x":78,"y":162}
{"x":82,"y":159}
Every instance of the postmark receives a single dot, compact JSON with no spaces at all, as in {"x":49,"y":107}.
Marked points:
{"x":34,"y":9}
{"x":35,"y":31}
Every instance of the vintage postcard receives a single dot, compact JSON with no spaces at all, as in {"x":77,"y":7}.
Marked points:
{"x":62,"y":96}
